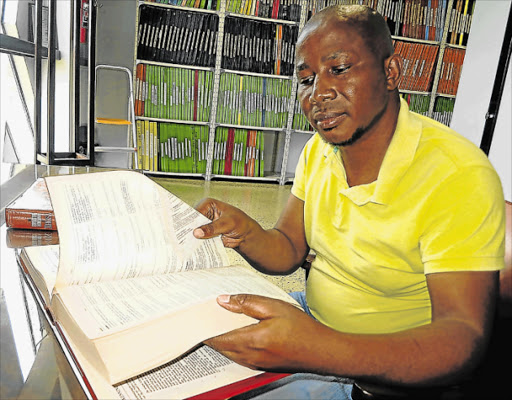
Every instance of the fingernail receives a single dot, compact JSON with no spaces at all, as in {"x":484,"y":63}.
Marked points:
{"x":198,"y":233}
{"x":223,"y":298}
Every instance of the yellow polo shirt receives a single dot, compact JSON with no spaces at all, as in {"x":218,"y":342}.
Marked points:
{"x":437,"y":206}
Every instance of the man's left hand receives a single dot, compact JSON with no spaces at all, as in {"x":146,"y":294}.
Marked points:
{"x":278,"y":342}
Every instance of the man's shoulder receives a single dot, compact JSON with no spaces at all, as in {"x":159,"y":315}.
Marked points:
{"x":444,"y":144}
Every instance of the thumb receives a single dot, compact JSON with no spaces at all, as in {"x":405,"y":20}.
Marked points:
{"x":209,"y":230}
{"x":258,"y":307}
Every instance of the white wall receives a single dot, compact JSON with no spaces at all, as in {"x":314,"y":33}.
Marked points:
{"x":501,"y":147}
{"x":476,"y":84}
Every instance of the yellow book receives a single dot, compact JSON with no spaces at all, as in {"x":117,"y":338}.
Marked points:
{"x":461,"y":36}
{"x":140,"y":141}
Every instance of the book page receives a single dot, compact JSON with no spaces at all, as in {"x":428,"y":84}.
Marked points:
{"x":120,"y":224}
{"x":45,"y":261}
{"x":202,"y":370}
{"x":104,"y":308}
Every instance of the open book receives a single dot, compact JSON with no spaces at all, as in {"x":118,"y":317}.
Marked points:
{"x":129,"y":285}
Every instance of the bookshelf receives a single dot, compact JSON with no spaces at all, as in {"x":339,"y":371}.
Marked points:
{"x":216,"y":93}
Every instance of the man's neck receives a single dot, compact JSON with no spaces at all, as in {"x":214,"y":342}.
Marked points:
{"x":363,"y":159}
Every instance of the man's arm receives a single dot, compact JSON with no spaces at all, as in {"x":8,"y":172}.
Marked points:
{"x":434,"y":354}
{"x":279,"y":250}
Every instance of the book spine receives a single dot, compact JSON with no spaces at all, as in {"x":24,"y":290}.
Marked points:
{"x":30,"y":219}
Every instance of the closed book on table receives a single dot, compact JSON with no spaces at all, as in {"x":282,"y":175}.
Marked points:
{"x":32,"y":210}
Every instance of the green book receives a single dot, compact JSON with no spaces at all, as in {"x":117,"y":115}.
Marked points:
{"x":167,"y":93}
{"x":149,"y":99}
{"x":170,"y":145}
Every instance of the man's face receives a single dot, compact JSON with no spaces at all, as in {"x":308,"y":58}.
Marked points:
{"x":342,"y":85}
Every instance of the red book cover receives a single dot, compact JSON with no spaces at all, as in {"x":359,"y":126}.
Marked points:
{"x":138,"y":76}
{"x":33,"y":210}
{"x":229,"y":152}
{"x":275,"y":9}
{"x":236,"y":388}
{"x":84,"y":21}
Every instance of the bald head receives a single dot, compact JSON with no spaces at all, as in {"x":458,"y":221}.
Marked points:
{"x":369,"y":24}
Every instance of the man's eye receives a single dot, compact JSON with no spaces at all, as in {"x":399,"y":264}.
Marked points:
{"x":306,"y":81}
{"x":340,"y":69}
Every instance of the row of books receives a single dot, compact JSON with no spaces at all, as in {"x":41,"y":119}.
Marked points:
{"x":259,"y":46}
{"x":460,"y":21}
{"x":418,"y":19}
{"x":180,"y":148}
{"x":418,"y":103}
{"x":238,"y":152}
{"x":253,"y":101}
{"x":275,"y":9}
{"x":177,"y":36}
{"x":418,"y":65}
{"x":451,"y":70}
{"x":443,"y":110}
{"x":201,"y":4}
{"x":170,"y":147}
{"x":173,"y":93}
{"x":300,"y":122}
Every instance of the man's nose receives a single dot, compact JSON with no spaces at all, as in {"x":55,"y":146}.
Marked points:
{"x":322,"y":90}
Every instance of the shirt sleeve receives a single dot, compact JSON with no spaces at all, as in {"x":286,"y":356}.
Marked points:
{"x":299,"y":181}
{"x":464,"y":224}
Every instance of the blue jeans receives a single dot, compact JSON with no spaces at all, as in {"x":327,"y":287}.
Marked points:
{"x":309,"y":386}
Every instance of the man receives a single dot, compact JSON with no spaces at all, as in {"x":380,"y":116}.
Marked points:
{"x":406,"y":218}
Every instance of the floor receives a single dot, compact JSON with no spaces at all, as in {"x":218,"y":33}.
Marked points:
{"x":261,"y":201}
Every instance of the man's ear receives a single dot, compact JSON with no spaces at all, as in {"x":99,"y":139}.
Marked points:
{"x":393,"y":66}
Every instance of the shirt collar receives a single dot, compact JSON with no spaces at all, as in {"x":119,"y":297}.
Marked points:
{"x":399,"y":156}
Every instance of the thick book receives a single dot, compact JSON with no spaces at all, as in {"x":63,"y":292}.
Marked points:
{"x":32,"y":210}
{"x":133,"y":291}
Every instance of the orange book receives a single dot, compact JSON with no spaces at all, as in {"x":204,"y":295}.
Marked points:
{"x":413,"y":55}
{"x":18,"y":238}
{"x":419,"y":57}
{"x":459,"y":60}
{"x":429,"y":67}
{"x":32,"y":210}
{"x":138,"y":75}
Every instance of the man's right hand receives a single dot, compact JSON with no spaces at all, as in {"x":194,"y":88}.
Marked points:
{"x":280,"y":250}
{"x":231,"y":223}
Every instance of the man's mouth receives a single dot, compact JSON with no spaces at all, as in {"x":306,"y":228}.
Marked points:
{"x":327,"y":121}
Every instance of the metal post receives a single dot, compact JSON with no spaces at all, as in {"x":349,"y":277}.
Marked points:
{"x":50,"y":91}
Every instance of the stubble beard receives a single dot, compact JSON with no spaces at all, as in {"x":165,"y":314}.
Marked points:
{"x":359,"y":132}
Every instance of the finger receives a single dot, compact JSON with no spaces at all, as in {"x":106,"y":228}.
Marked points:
{"x":215,"y":228}
{"x":258,"y":307}
{"x":207,"y":207}
{"x":231,"y":354}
